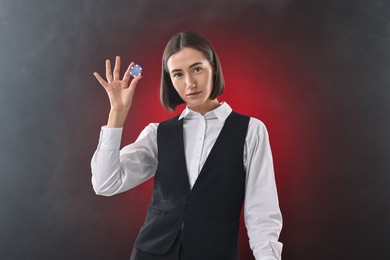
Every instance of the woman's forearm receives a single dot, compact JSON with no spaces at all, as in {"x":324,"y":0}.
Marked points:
{"x":116,"y":119}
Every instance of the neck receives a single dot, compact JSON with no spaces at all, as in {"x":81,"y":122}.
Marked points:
{"x":213,"y":104}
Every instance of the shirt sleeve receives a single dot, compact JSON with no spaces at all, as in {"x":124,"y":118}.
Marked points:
{"x":114,"y":170}
{"x":262,"y":215}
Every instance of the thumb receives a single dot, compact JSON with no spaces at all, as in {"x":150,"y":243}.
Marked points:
{"x":134,"y":82}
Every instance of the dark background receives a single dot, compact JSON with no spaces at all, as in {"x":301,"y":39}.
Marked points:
{"x":315,"y":72}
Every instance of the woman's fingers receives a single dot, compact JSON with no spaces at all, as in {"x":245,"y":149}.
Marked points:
{"x":100,"y":79}
{"x":134,"y":82}
{"x":117,"y":68}
{"x":115,"y":74}
{"x":126,"y":75}
{"x":108,"y":71}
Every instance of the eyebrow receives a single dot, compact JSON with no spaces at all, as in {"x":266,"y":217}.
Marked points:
{"x":193,"y":65}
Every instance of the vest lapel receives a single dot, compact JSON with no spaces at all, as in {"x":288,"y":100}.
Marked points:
{"x":212,"y":151}
{"x":179,"y":129}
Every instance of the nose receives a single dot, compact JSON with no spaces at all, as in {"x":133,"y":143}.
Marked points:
{"x":190,"y":81}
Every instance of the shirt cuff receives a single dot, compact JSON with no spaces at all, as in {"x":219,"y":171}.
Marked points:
{"x":267,"y":258}
{"x":271,"y":252}
{"x":110,"y":138}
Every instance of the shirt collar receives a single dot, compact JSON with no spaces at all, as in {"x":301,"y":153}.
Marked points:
{"x":221,"y":112}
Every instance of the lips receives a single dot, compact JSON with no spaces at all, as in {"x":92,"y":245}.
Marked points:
{"x":191,"y":94}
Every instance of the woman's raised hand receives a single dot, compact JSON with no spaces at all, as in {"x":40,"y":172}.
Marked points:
{"x":120,"y":91}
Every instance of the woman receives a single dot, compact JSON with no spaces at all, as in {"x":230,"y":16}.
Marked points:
{"x":204,"y":162}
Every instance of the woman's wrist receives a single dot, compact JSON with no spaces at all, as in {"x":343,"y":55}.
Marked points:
{"x":116,"y":119}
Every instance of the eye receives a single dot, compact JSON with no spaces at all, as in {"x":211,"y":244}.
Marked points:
{"x":177,"y":75}
{"x":198,"y":69}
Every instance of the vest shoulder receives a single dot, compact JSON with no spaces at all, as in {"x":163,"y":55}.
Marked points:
{"x":254,"y":123}
{"x":237,"y":117}
{"x":239,"y":114}
{"x":171,"y":121}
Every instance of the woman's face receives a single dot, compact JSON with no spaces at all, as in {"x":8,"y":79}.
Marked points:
{"x":192,"y":77}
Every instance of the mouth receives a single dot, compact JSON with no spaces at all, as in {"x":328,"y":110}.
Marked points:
{"x":191,"y":94}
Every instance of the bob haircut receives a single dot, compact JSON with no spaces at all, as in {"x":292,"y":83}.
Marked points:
{"x":169,"y":97}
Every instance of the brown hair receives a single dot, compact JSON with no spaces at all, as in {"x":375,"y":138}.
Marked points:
{"x":170,"y":99}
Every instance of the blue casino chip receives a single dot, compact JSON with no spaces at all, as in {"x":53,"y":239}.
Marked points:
{"x":136,"y":70}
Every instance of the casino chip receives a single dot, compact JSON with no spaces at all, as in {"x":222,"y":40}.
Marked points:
{"x":136,"y":70}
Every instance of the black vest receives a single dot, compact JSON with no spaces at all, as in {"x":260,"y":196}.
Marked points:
{"x":208,"y":215}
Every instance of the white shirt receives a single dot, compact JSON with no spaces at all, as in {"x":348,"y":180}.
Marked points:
{"x":115,"y":171}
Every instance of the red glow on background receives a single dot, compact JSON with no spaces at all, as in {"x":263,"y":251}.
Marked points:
{"x":260,"y":82}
